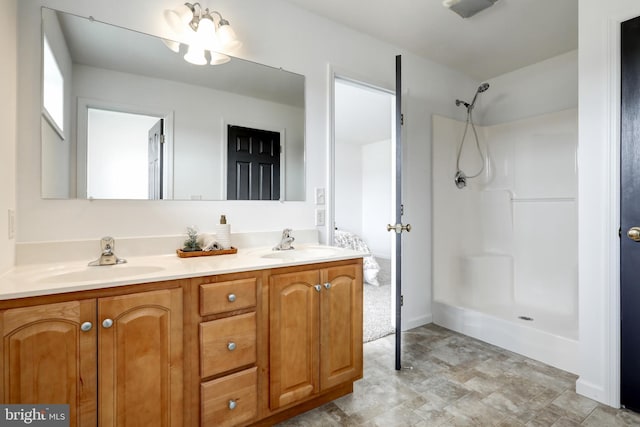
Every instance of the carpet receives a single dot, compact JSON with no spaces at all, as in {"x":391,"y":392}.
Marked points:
{"x":377,"y":304}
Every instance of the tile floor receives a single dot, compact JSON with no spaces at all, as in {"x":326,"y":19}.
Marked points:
{"x":459,"y":381}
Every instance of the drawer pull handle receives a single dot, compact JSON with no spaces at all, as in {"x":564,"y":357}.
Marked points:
{"x":318,"y":288}
{"x":231,"y":346}
{"x":327,"y":285}
{"x":231,"y":297}
{"x":86,"y":327}
{"x":107,"y":323}
{"x":232,"y":404}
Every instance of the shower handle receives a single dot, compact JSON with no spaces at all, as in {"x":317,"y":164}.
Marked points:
{"x":634,"y":234}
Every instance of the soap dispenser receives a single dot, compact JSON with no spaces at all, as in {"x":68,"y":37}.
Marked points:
{"x":223,"y":233}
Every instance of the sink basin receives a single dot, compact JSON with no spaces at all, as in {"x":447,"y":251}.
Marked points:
{"x":87,"y":274}
{"x":303,"y":253}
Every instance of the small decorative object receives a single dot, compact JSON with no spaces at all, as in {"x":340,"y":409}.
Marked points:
{"x":191,"y":244}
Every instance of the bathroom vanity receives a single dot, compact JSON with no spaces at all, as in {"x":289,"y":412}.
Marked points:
{"x":246,"y":339}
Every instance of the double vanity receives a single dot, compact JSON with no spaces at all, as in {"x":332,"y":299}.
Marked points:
{"x":245,"y":339}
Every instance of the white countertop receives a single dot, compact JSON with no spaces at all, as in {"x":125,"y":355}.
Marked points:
{"x":60,"y":277}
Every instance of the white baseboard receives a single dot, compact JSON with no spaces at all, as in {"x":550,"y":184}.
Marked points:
{"x":593,"y":391}
{"x":416,"y":321}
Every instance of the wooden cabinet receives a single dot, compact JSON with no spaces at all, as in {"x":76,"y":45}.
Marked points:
{"x":117,"y":358}
{"x":48,"y":358}
{"x":247,"y":348}
{"x":228,"y":349}
{"x":140,"y":359}
{"x":315,"y":332}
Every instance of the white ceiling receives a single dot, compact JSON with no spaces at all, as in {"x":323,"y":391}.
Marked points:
{"x":509,"y":35}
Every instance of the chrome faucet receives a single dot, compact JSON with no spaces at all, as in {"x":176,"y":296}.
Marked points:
{"x":107,"y":257}
{"x":285,"y":241}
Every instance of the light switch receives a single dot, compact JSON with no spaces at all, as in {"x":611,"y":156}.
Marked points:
{"x":320,"y":200}
{"x":320,"y":217}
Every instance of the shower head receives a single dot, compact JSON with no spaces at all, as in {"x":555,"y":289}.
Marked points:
{"x":482,"y":88}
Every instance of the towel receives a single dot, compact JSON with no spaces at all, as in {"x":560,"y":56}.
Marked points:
{"x":208,"y":242}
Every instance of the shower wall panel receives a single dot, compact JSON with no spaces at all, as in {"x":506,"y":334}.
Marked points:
{"x":523,"y":207}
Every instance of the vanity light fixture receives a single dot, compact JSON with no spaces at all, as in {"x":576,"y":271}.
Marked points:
{"x":203,"y":30}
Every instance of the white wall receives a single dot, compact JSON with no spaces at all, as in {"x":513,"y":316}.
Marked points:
{"x":8,"y":94}
{"x":363,"y":192}
{"x":376,"y":200}
{"x":545,"y":87}
{"x":348,"y":197}
{"x":599,"y":188}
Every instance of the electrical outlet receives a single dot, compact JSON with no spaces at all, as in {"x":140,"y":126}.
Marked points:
{"x":320,"y":213}
{"x":320,"y":200}
{"x":11,"y":232}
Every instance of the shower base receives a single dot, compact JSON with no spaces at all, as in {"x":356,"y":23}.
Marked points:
{"x":541,"y":335}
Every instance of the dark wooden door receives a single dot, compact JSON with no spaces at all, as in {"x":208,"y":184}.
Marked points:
{"x":630,"y":215}
{"x":156,"y":163}
{"x":253,"y":164}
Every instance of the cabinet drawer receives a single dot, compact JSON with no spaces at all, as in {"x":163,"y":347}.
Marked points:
{"x":230,"y":400}
{"x":227,"y":343}
{"x":227,"y":296}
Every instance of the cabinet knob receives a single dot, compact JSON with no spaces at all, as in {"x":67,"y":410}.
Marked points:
{"x":327,"y":285}
{"x":231,"y":346}
{"x":232,"y":404}
{"x":107,"y":323}
{"x":318,"y":288}
{"x":231,"y":297}
{"x":86,"y":326}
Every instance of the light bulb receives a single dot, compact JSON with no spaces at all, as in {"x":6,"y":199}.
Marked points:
{"x":227,"y":37}
{"x":218,"y":58}
{"x":195,"y":55}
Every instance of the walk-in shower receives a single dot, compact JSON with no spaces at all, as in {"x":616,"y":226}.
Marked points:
{"x":460,"y":178}
{"x":505,"y":249}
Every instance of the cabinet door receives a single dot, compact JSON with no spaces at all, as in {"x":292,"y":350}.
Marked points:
{"x":49,"y":359}
{"x":140,"y":359}
{"x":341,"y":326}
{"x":293,"y":332}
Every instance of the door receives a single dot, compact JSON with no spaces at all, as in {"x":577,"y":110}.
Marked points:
{"x":398,"y":228}
{"x":341,"y":325}
{"x":253,"y":164}
{"x":140,"y":359}
{"x":293,"y":333}
{"x":156,"y":161}
{"x":49,"y":356}
{"x":630,"y":215}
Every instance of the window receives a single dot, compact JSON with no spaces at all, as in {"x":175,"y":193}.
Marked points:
{"x":53,"y":89}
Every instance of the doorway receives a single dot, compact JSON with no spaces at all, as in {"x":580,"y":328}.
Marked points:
{"x":364,"y":194}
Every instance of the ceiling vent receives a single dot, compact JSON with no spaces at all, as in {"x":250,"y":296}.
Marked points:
{"x":468,"y":8}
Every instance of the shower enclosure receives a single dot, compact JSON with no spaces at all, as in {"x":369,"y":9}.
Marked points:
{"x":505,"y":245}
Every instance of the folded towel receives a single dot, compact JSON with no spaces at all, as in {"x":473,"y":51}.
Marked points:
{"x":208,"y":242}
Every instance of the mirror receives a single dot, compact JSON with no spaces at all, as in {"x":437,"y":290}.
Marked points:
{"x":125,"y":117}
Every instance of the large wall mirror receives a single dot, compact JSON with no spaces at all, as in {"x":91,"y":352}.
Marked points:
{"x":125,"y":117}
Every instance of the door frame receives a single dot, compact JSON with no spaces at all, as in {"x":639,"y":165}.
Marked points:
{"x":364,"y":81}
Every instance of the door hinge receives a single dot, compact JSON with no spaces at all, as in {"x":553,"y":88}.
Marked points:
{"x":401,"y":300}
{"x":401,"y":119}
{"x":163,"y":139}
{"x":401,"y":209}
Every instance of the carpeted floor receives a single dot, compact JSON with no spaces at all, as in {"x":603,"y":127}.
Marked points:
{"x":377,"y":304}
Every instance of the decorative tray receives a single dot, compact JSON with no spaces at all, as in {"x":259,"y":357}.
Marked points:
{"x":183,"y":254}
